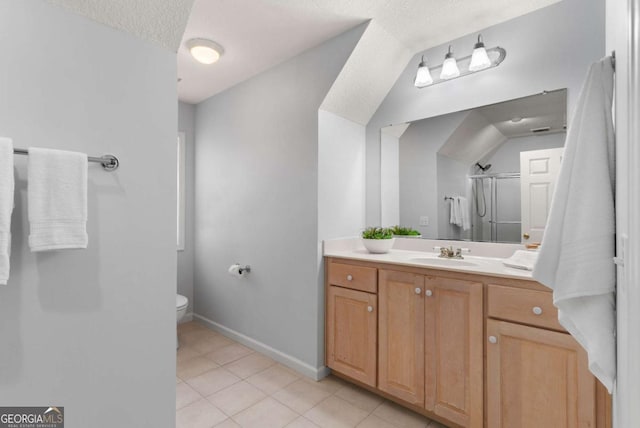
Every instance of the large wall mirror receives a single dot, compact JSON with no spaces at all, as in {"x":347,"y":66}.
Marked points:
{"x":485,"y":174}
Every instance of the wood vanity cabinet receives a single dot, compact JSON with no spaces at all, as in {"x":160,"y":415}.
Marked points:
{"x":469,"y":350}
{"x":454,"y":350}
{"x":351,"y":322}
{"x":401,"y":335}
{"x":430,"y":344}
{"x":537,"y":374}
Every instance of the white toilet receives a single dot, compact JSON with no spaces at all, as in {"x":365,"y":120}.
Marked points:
{"x":181,"y":308}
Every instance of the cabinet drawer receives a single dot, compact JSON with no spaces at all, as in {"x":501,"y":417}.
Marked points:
{"x":523,"y":306}
{"x":355,"y":277}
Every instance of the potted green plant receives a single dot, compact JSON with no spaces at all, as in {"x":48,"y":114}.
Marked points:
{"x":377,"y":240}
{"x":405,"y":232}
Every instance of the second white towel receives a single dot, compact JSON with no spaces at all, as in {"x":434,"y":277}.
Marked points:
{"x":6,"y":205}
{"x":459,"y":214}
{"x":57,"y":199}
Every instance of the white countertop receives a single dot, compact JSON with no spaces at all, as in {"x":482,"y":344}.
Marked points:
{"x":483,"y":265}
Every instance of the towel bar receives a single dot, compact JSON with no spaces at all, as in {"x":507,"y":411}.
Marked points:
{"x":108,"y":162}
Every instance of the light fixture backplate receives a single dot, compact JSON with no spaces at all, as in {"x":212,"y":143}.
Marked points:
{"x":496,"y":55}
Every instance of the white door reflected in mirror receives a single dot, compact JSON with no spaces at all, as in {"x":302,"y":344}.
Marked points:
{"x":539,"y":171}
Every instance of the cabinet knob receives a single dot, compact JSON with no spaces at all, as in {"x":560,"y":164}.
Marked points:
{"x":526,"y":235}
{"x":429,"y":293}
{"x":349,"y":277}
{"x":537,"y":310}
{"x":493,"y":339}
{"x":418,"y":290}
{"x":370,"y":308}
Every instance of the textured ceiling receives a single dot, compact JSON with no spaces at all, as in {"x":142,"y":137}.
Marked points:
{"x":361,"y":86}
{"x":537,"y":111}
{"x":160,"y":21}
{"x":422,"y":24}
{"x":256,"y":35}
{"x":484,"y":129}
{"x":259,"y":34}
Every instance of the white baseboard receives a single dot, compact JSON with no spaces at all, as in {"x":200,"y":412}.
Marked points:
{"x":307,"y":370}
{"x":187,"y":318}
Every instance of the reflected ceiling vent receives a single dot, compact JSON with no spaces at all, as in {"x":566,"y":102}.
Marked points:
{"x":541,"y":129}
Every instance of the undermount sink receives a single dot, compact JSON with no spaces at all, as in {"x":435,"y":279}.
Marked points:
{"x":443,"y":262}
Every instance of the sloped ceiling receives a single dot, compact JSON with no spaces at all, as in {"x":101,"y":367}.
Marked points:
{"x":485,"y":129}
{"x":259,"y":34}
{"x":472,"y":139}
{"x":537,"y":111}
{"x":360,"y":87}
{"x":256,"y":35}
{"x":160,"y":21}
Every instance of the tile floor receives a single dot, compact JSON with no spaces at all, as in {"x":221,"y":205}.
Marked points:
{"x":223,"y":384}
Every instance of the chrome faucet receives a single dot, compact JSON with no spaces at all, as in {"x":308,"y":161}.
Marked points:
{"x":449,"y":253}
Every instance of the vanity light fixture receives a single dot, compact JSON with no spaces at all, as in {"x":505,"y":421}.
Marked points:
{"x":204,"y":51}
{"x":479,"y":59}
{"x":423,"y":76}
{"x":452,"y":67}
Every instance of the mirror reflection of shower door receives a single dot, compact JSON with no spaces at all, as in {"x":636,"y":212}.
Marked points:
{"x":539,"y":171}
{"x":496,"y":207}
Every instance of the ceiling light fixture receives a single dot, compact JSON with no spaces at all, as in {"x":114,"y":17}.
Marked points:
{"x":205,"y":51}
{"x":423,"y":76}
{"x":451,"y":68}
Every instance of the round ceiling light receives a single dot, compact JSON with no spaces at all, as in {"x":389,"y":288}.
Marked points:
{"x":205,"y":51}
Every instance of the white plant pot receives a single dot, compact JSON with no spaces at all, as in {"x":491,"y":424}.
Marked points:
{"x":378,"y":246}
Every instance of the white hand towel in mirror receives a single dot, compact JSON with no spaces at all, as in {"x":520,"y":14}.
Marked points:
{"x":463,"y":207}
{"x":6,"y":205}
{"x":57,"y":199}
{"x":456,"y":217}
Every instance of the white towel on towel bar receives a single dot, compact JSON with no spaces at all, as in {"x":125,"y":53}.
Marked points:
{"x":459,"y":214}
{"x":454,"y":215}
{"x":6,"y":205}
{"x":57,"y":199}
{"x":578,"y":246}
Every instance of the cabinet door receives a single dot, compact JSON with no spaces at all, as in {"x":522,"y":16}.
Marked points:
{"x":537,"y":378}
{"x":351,"y":333}
{"x":454,"y":351}
{"x":401,"y":335}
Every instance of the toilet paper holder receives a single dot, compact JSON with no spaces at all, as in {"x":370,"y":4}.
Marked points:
{"x":239,"y":270}
{"x":244,"y":269}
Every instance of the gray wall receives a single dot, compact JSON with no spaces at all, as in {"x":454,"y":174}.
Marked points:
{"x":547,"y":49}
{"x":340,"y":176}
{"x":187,"y":124}
{"x":389,"y":179}
{"x":507,"y":157}
{"x":257,"y":203}
{"x":419,"y":146}
{"x":92,"y":330}
{"x":452,"y":181}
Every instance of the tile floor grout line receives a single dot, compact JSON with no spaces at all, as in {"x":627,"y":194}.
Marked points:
{"x":198,"y":333}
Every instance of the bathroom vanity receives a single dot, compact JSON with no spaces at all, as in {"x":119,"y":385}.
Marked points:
{"x":470,"y":344}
